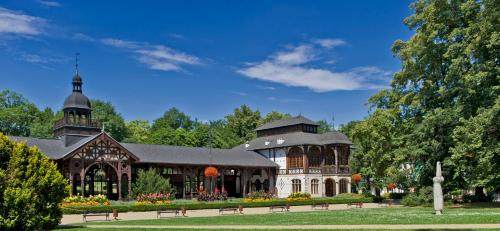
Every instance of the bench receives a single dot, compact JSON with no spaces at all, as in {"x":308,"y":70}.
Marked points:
{"x":89,"y":214}
{"x":284,"y":208}
{"x":165,"y":210}
{"x":356,"y":204}
{"x":320,"y":206}
{"x":234,"y":209}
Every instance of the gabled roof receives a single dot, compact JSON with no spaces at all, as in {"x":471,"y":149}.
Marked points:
{"x":287,"y":122}
{"x":149,"y":153}
{"x":297,"y":138}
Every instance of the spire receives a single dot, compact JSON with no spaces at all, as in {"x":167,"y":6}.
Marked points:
{"x":77,"y":80}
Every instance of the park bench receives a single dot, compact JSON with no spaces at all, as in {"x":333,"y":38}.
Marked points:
{"x":234,"y":209}
{"x":161,"y":211}
{"x":91,"y":214}
{"x":284,"y":208}
{"x":320,"y":206}
{"x":356,"y":204}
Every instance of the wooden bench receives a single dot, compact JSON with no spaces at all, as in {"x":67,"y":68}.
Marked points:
{"x":234,"y":209}
{"x":356,"y":204}
{"x":320,"y":206}
{"x":284,"y":208}
{"x":159,"y":212}
{"x":90,"y":214}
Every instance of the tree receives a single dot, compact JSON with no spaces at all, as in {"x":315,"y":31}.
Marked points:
{"x":243,"y":122}
{"x":138,"y":131}
{"x":16,"y":114}
{"x":32,"y":190}
{"x":324,"y":127}
{"x":43,"y":125}
{"x":113,"y":122}
{"x":173,"y":118}
{"x":150,"y":181}
{"x":274,"y":115}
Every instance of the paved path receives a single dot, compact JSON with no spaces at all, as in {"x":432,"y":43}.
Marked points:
{"x":305,"y":227}
{"x":77,"y":218}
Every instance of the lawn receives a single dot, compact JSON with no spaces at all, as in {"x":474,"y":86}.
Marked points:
{"x":352,"y":216}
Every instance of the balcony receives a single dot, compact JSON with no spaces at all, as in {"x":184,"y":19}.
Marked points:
{"x":77,"y":123}
{"x":332,"y":169}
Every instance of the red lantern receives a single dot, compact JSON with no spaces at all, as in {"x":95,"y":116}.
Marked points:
{"x":211,"y":172}
{"x":356,"y":178}
{"x":391,"y":186}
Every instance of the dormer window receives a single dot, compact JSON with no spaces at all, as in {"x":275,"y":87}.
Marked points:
{"x":280,"y":141}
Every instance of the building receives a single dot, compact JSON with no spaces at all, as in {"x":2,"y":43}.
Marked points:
{"x":287,"y":156}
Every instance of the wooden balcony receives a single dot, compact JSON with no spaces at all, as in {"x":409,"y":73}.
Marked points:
{"x":77,"y":123}
{"x":332,"y":169}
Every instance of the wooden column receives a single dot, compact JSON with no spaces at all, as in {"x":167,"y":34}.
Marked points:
{"x":119,"y":177}
{"x":305,"y":160}
{"x":129,"y":177}
{"x":71,"y":180}
{"x":336,"y":159}
{"x":244,"y":177}
{"x":222,"y":179}
{"x":183,"y":183}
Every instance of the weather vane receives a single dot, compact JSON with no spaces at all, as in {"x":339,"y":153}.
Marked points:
{"x":76,"y":61}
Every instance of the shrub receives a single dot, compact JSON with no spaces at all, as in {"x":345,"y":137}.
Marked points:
{"x":299,"y":196}
{"x":426,"y":195}
{"x":31,"y":188}
{"x":150,"y":181}
{"x":411,"y":200}
{"x":206,"y":196}
{"x":153,"y":198}
{"x":85,"y":201}
{"x":259,"y":196}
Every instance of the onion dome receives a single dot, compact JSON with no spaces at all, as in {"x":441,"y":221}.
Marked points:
{"x":211,"y":172}
{"x":77,"y":99}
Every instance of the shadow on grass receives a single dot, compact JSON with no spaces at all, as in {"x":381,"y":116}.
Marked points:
{"x":70,"y":227}
{"x":480,"y":205}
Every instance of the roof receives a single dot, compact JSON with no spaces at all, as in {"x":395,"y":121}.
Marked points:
{"x":150,"y":153}
{"x":52,"y":148}
{"x":297,"y":138}
{"x":287,"y":122}
{"x":77,"y":100}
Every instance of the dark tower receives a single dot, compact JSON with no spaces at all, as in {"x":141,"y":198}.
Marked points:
{"x":77,"y":122}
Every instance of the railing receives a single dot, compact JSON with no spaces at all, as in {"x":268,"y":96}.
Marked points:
{"x":322,"y":170}
{"x":79,"y":123}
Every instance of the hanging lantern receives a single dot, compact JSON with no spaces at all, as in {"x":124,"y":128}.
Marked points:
{"x":356,"y":178}
{"x":391,"y":186}
{"x":211,"y":172}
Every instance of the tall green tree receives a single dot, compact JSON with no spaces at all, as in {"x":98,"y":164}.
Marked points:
{"x":243,"y":122}
{"x":16,"y":114}
{"x":173,"y":118}
{"x":138,"y":131}
{"x":113,"y":122}
{"x":274,"y":115}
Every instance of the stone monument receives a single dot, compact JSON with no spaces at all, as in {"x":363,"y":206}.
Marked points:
{"x":438,"y":190}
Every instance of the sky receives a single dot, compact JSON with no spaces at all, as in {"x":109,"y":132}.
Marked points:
{"x":319,"y":59}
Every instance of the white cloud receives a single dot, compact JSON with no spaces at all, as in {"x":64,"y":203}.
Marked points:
{"x":329,"y":42}
{"x":18,"y":23}
{"x":156,"y":57}
{"x":295,"y":67}
{"x":49,"y":3}
{"x":267,"y":88}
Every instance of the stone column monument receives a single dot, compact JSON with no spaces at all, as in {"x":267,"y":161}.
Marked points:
{"x":438,"y":190}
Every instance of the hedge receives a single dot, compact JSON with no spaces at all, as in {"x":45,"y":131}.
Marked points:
{"x":213,"y":205}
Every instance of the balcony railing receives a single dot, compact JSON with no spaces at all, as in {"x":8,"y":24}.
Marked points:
{"x":321,"y":170}
{"x":78,"y":123}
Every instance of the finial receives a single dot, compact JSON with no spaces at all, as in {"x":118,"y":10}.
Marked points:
{"x":76,"y":62}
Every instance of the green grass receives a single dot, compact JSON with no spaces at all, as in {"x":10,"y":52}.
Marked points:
{"x":352,"y":216}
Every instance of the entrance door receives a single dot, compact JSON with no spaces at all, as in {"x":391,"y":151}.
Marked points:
{"x":101,"y":180}
{"x":329,"y":187}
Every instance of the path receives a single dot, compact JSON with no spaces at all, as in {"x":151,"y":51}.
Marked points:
{"x":305,"y":227}
{"x":77,"y":218}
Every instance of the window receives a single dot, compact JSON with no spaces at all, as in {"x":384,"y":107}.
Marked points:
{"x":314,"y":157}
{"x":343,"y":186}
{"x":295,"y":158}
{"x":296,"y":185}
{"x":314,"y":186}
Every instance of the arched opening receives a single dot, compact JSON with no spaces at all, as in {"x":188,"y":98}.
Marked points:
{"x":295,"y":159}
{"x":101,"y":179}
{"x":343,"y":186}
{"x":329,"y":187}
{"x":314,"y":157}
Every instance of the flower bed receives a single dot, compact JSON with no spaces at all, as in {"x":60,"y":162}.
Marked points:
{"x":299,"y":196}
{"x":153,"y":198}
{"x":259,"y":196}
{"x":340,"y":199}
{"x":216,"y":196}
{"x":85,"y":201}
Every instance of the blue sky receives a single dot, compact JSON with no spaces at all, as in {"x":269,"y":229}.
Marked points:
{"x":314,"y":58}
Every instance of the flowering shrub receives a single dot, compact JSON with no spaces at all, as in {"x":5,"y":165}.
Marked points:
{"x":299,"y":196}
{"x":259,"y":196}
{"x":217,"y":195}
{"x":153,"y":198}
{"x":85,"y":201}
